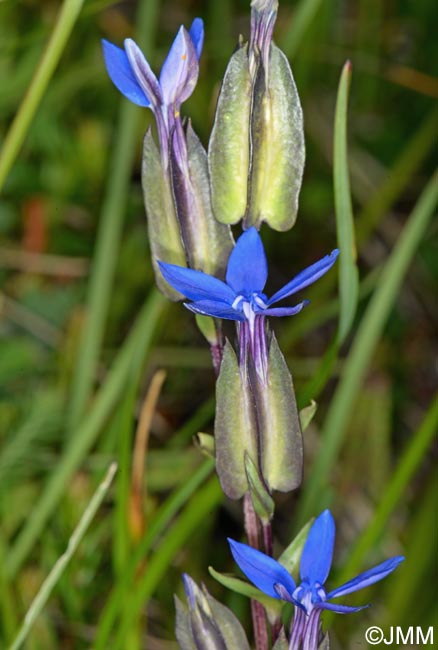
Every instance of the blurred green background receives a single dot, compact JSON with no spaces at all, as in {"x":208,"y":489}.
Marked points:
{"x":82,"y":330}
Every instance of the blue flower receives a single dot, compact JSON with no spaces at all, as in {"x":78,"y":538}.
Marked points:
{"x":132,"y":74}
{"x":273,"y":579}
{"x":241,"y":297}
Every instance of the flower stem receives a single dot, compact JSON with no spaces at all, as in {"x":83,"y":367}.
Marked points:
{"x":267,"y":538}
{"x":252,"y":530}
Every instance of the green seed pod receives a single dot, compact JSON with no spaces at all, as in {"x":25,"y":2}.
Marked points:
{"x":281,"y":446}
{"x":277,"y":143}
{"x":235,"y":429}
{"x":256,"y":150}
{"x":213,"y":240}
{"x":228,"y":153}
{"x":163,"y":229}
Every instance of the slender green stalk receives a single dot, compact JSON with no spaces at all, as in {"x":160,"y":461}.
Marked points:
{"x":317,"y":382}
{"x":406,"y":165}
{"x":202,"y":504}
{"x":15,"y":137}
{"x":393,"y":492}
{"x":304,"y":13}
{"x":200,"y":418}
{"x":363,"y":347}
{"x":46,"y":588}
{"x":125,"y":424}
{"x":132,"y":354}
{"x":420,"y":565}
{"x":8,"y":613}
{"x":157,"y":526}
{"x":347,"y":263}
{"x":108,"y":237}
{"x":398,"y":177}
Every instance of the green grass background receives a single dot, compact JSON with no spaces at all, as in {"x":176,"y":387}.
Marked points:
{"x":82,"y":329}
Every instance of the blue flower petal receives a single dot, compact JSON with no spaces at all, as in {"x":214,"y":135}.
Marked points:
{"x":262,"y":570}
{"x":196,"y":285}
{"x":180,"y":70}
{"x":306,"y":277}
{"x":143,"y":73}
{"x":340,"y":609}
{"x":316,"y":559}
{"x":368,"y":577}
{"x":196,"y":32}
{"x":247,"y":270}
{"x":216,"y":309}
{"x":285,"y":311}
{"x":189,"y":588}
{"x":121,"y":74}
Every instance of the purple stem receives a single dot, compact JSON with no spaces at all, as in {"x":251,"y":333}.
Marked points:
{"x":267,"y":538}
{"x":257,"y":610}
{"x":217,"y":348}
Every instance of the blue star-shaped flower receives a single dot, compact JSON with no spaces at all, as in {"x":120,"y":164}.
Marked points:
{"x":132,"y":74}
{"x":274,"y":580}
{"x":241,"y":297}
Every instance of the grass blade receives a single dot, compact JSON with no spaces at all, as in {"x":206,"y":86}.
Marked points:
{"x":157,"y":526}
{"x":73,"y":543}
{"x":347,"y":267}
{"x":202,"y":504}
{"x":391,"y":495}
{"x":133,"y":353}
{"x":407,"y":164}
{"x":304,"y":13}
{"x":363,"y":347}
{"x":108,"y":237}
{"x":66,"y":19}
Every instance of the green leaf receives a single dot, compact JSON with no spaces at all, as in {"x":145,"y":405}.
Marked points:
{"x":303,"y":15}
{"x":262,"y":501}
{"x":363,"y":347}
{"x":347,"y":267}
{"x":11,"y":145}
{"x":410,"y":462}
{"x":201,"y":505}
{"x":307,"y":414}
{"x":246,"y":589}
{"x":101,"y":284}
{"x":130,"y":357}
{"x":55,"y":574}
{"x":291,"y":556}
{"x":205,"y":443}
